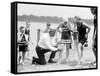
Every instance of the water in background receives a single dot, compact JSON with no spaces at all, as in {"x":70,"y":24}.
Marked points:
{"x":33,"y":28}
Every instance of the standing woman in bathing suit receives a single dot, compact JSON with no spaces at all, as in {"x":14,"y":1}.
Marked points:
{"x":65,"y":39}
{"x":83,"y":31}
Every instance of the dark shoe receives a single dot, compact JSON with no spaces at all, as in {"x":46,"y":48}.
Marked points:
{"x":33,"y":60}
{"x":51,"y":61}
{"x":93,"y":63}
{"x":86,"y":45}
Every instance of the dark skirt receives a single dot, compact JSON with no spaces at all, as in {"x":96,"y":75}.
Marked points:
{"x":82,"y":39}
{"x":66,"y":35}
{"x":23,"y":48}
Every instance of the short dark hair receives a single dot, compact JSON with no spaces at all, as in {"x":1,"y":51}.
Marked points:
{"x":21,"y":28}
{"x":77,"y":18}
{"x":65,"y":22}
{"x":48,"y":24}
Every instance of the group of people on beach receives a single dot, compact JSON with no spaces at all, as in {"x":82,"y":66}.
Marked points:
{"x":48,"y":42}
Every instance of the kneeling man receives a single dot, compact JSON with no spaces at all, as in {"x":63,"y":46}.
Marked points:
{"x":44,"y":46}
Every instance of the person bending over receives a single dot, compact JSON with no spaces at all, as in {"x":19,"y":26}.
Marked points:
{"x":44,"y":46}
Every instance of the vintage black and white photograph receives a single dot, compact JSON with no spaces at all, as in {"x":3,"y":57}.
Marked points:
{"x":53,"y":37}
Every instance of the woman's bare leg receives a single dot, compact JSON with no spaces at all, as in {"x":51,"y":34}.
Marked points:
{"x":24,"y":53}
{"x":80,"y":52}
{"x":67,"y":51}
{"x":61,"y":53}
{"x":20,"y":57}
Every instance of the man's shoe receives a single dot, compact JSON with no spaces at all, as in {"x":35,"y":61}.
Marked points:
{"x":33,"y":60}
{"x":93,"y":63}
{"x":51,"y":61}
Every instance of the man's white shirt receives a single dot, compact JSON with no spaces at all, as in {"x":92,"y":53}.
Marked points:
{"x":47,"y":42}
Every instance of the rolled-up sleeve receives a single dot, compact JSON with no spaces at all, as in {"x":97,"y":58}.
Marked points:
{"x":49,"y":45}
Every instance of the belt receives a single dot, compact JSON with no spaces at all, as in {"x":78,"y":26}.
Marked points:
{"x":40,"y":47}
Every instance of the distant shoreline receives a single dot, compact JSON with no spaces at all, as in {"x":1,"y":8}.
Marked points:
{"x":49,"y":19}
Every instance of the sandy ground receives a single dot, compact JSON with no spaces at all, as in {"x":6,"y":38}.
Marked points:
{"x":88,"y":57}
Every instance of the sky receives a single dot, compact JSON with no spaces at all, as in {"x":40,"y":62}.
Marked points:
{"x":48,"y":10}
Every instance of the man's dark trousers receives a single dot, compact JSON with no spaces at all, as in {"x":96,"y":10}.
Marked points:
{"x":41,"y":57}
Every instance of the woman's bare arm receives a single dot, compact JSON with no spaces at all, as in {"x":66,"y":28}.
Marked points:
{"x":58,"y":28}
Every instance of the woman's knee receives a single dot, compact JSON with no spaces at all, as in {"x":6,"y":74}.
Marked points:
{"x":61,"y":47}
{"x":79,"y":45}
{"x":20,"y":53}
{"x":68,"y":46}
